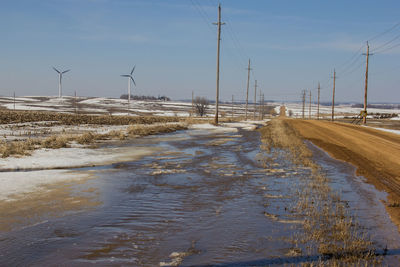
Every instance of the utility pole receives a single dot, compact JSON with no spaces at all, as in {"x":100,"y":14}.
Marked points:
{"x":255,"y":99}
{"x":309,"y":107}
{"x":218,"y":50}
{"x":232,"y":106}
{"x":248,"y":83}
{"x":304,"y":102}
{"x":333,"y":95}
{"x":319,"y":89}
{"x":261,"y":107}
{"x":366,"y":86}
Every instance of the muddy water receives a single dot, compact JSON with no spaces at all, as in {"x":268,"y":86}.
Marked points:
{"x":205,"y":199}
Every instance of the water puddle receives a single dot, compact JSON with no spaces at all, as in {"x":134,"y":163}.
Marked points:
{"x":204,"y":199}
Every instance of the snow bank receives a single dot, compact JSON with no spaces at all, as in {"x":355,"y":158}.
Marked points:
{"x":213,"y":128}
{"x":14,"y":183}
{"x":74,"y":157}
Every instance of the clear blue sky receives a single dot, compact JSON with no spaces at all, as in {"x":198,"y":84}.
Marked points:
{"x":292,"y":44}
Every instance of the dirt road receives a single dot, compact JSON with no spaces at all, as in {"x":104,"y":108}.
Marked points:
{"x":376,"y":154}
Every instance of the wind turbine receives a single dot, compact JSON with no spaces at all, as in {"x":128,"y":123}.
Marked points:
{"x":60,"y":74}
{"x":130,"y":77}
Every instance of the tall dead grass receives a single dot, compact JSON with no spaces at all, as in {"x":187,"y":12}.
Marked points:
{"x":25,"y":147}
{"x":329,"y":229}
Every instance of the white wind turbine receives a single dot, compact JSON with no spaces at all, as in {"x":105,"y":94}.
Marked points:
{"x":130,"y":77}
{"x":60,"y":74}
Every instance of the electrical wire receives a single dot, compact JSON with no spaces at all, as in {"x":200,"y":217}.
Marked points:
{"x":385,"y":44}
{"x":384,"y":32}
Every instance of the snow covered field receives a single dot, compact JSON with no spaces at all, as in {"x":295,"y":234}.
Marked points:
{"x":112,"y":106}
{"x":50,"y":165}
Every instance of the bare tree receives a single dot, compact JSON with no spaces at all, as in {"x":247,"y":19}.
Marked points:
{"x":201,"y":105}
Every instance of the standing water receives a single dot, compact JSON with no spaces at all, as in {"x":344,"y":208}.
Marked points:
{"x":205,"y":199}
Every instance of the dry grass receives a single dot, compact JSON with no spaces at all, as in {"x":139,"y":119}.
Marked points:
{"x":328,"y":226}
{"x":25,"y":147}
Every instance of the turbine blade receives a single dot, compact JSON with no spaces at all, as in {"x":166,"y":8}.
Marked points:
{"x":65,"y":71}
{"x":133,"y":81}
{"x":133,"y":69}
{"x":56,"y":70}
{"x":125,"y":75}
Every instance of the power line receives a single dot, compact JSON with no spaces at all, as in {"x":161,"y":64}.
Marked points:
{"x":202,"y":13}
{"x":388,"y":48}
{"x":353,"y":69}
{"x":353,"y":62}
{"x":385,"y":44}
{"x":384,"y":32}
{"x":351,"y":58}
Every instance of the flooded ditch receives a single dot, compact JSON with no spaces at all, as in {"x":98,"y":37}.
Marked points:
{"x":210,"y":198}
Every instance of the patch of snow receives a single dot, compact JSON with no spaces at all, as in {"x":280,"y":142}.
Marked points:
{"x":73,"y":157}
{"x":210,"y":127}
{"x":385,"y":130}
{"x":12,"y":183}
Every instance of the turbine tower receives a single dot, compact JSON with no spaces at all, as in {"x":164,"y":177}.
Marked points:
{"x":130,"y":77}
{"x":60,"y":74}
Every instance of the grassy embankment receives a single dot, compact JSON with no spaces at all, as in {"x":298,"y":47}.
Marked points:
{"x":329,"y":230}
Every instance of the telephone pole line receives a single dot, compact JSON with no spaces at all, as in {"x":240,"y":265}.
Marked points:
{"x":261,"y":107}
{"x":309,"y":108}
{"x":255,"y":99}
{"x":366,"y":86}
{"x":248,"y":83}
{"x":333,"y":95}
{"x":319,"y":89}
{"x":304,"y":102}
{"x":219,"y":23}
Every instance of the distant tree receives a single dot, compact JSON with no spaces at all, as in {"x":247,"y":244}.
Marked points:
{"x":143,"y":97}
{"x":164,"y":98}
{"x":125,"y":96}
{"x":201,"y":105}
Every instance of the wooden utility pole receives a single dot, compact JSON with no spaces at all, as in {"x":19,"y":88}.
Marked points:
{"x":309,"y":107}
{"x":319,"y":89}
{"x":248,"y":83}
{"x":261,"y":108}
{"x":255,"y":99}
{"x":192,"y":113}
{"x":333,"y":95}
{"x":218,"y":50}
{"x":366,"y":86}
{"x":304,"y":102}
{"x":232,"y":106}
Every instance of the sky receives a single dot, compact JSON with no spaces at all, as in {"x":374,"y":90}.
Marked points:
{"x":292,"y":45}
